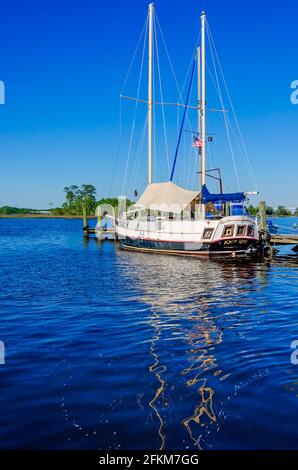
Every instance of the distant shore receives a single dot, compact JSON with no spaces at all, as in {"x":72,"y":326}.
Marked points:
{"x":42,"y":216}
{"x":282,"y":216}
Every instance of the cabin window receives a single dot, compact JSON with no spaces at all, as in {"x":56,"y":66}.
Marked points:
{"x":207,"y":233}
{"x":250,"y":231}
{"x":240,"y":230}
{"x":228,"y":231}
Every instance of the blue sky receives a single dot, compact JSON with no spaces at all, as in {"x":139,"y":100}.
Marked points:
{"x":64,"y":63}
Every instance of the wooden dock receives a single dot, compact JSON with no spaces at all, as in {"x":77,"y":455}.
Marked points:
{"x":284,"y":239}
{"x":100,"y":235}
{"x":276,"y":239}
{"x":105,"y":234}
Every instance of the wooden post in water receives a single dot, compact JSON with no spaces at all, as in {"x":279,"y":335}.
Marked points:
{"x":263,"y":217}
{"x":99,"y":227}
{"x":85,"y":221}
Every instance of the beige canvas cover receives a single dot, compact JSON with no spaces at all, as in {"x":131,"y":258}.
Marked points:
{"x":166,"y":197}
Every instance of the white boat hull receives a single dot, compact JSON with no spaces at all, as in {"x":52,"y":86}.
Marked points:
{"x":230,"y":236}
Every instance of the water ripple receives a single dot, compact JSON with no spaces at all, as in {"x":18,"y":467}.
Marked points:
{"x":107,"y":349}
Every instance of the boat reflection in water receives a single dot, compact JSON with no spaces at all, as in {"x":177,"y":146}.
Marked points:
{"x":193,"y":304}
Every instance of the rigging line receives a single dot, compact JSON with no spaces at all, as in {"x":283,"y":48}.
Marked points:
{"x":135,"y":113}
{"x":183,"y":119}
{"x":135,"y":170}
{"x":169,"y":58}
{"x":241,"y":151}
{"x":140,"y":153}
{"x":212,"y":160}
{"x":211,"y":146}
{"x":186,"y":77}
{"x":192,"y":158}
{"x":235,"y":117}
{"x":224,"y":114}
{"x":168,"y":103}
{"x":190,"y":62}
{"x":171,"y":65}
{"x":145,"y":27}
{"x":162,"y":103}
{"x":212,"y":79}
{"x":161,"y":96}
{"x":234,"y":112}
{"x":132,"y":173}
{"x":194,"y":181}
{"x":118,"y":149}
{"x":177,"y":123}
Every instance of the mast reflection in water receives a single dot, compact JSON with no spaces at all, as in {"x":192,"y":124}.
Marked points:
{"x":182,"y":311}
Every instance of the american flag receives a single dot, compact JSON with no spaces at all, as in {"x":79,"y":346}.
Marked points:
{"x":197,"y":142}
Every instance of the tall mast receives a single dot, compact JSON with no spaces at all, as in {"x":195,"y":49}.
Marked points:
{"x":203,"y":109}
{"x":150,"y":73}
{"x":199,"y":92}
{"x":199,"y":89}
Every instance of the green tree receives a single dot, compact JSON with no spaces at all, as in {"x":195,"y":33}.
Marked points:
{"x":71,"y":193}
{"x":57,"y":211}
{"x":77,"y":197}
{"x":252,"y":210}
{"x":87,"y":197}
{"x":113,"y":201}
{"x":281,"y":211}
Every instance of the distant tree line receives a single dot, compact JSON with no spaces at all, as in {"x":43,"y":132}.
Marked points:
{"x":279,"y":212}
{"x":76,"y":197}
{"x":9,"y":210}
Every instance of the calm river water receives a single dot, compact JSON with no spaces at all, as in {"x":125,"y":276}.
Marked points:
{"x":107,"y":349}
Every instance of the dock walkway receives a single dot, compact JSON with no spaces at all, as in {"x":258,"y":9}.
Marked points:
{"x":281,"y":239}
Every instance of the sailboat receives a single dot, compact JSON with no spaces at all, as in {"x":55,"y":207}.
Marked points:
{"x":170,"y":219}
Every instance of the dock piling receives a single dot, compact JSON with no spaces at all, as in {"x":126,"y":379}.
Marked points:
{"x":98,"y":232}
{"x":85,"y":221}
{"x":263,"y":217}
{"x":274,"y":239}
